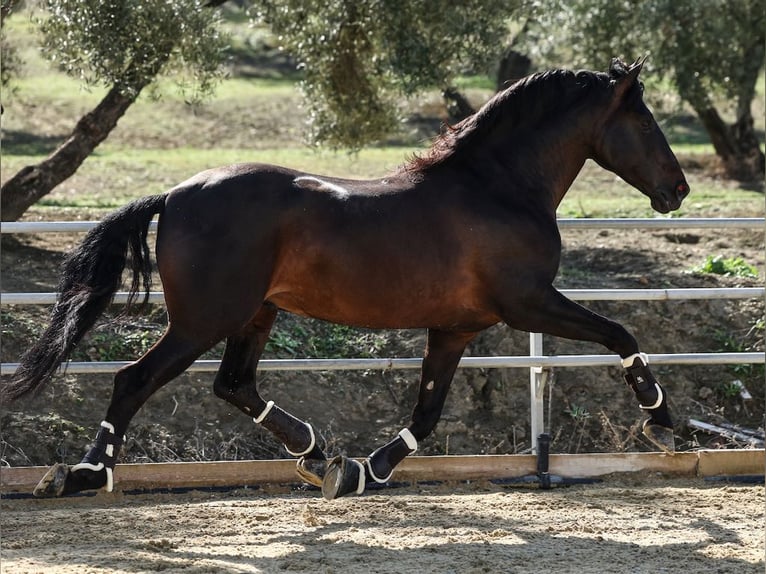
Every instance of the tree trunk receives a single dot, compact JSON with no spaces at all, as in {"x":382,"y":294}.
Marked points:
{"x":33,"y":182}
{"x":513,"y":66}
{"x":737,"y":145}
{"x":458,"y":106}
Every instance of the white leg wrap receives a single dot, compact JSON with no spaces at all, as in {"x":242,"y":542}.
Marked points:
{"x":409,"y":439}
{"x":109,"y":451}
{"x":361,"y":483}
{"x":110,"y":427}
{"x":109,"y":480}
{"x":259,"y":419}
{"x":311,"y":446}
{"x":628,"y":361}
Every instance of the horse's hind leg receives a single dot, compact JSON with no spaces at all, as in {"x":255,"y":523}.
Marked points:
{"x":235,"y":383}
{"x":443,"y":352}
{"x":133,"y":385}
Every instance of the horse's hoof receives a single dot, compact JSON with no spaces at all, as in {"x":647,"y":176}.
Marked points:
{"x":661,"y":437}
{"x":344,"y":476}
{"x":311,"y":470}
{"x":52,"y":484}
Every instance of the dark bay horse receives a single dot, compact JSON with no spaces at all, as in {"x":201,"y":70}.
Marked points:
{"x":456,"y":240}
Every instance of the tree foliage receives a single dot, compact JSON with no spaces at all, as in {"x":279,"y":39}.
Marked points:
{"x":711,"y":50}
{"x":10,"y":61}
{"x":360,"y":57}
{"x":123,"y":45}
{"x":126,"y":43}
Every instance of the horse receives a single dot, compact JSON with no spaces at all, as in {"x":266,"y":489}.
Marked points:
{"x":459,"y":238}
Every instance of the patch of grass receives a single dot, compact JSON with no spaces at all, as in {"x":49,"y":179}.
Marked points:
{"x":729,"y":390}
{"x":577,"y":412}
{"x":338,"y":341}
{"x":752,"y":341}
{"x":286,"y":342}
{"x":311,"y":338}
{"x":122,"y":344}
{"x":477,"y":82}
{"x":727,"y":266}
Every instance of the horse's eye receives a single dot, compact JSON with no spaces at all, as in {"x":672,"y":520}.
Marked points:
{"x":646,"y":124}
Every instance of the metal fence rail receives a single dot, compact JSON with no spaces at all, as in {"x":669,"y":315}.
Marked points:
{"x":537,"y":362}
{"x":756,"y":223}
{"x":157,"y":297}
{"x":386,"y":364}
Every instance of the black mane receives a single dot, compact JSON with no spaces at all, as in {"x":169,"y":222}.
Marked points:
{"x":527,"y":101}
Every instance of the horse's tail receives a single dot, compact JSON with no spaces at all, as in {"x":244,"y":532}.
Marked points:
{"x":91,"y":275}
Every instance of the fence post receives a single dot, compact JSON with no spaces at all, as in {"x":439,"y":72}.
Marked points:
{"x":536,"y":385}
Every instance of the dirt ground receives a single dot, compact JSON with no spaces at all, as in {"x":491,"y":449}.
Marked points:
{"x":631,"y":525}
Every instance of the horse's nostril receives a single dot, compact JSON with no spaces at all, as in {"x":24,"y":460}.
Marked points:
{"x":682,"y":189}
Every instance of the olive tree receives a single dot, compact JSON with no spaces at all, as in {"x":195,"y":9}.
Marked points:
{"x":712,"y":51}
{"x":10,"y":62}
{"x":123,"y":45}
{"x":360,"y":57}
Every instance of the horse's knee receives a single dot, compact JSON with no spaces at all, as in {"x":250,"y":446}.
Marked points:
{"x":620,"y":340}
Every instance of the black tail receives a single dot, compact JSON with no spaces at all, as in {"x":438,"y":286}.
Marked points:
{"x":91,"y":275}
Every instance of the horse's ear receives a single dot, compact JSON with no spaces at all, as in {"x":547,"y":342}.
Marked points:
{"x":636,"y":66}
{"x":628,"y":77}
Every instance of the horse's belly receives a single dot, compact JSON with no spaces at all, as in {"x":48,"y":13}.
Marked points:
{"x":381,"y":304}
{"x":408,"y":273}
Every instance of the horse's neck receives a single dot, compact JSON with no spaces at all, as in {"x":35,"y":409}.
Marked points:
{"x":565,"y":176}
{"x":548,"y":165}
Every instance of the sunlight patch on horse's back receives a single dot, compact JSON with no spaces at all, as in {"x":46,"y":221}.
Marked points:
{"x":316,"y":184}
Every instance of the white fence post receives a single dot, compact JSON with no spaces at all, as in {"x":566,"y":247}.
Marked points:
{"x":537,"y":377}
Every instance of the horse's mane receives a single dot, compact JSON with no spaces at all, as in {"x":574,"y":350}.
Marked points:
{"x":527,"y":101}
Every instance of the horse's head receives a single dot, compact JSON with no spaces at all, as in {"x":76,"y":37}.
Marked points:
{"x":631,"y":144}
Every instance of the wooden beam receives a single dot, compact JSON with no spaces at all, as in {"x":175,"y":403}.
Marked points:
{"x":600,"y":464}
{"x":468,"y":467}
{"x":732,"y":462}
{"x":412,"y":469}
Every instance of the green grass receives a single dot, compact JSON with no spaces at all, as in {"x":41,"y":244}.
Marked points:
{"x":728,"y":266}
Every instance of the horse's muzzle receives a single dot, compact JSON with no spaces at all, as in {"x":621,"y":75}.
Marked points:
{"x":666,"y":200}
{"x":682,"y":190}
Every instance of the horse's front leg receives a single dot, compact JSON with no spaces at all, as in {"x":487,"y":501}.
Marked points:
{"x":548,"y":311}
{"x":443,"y":352}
